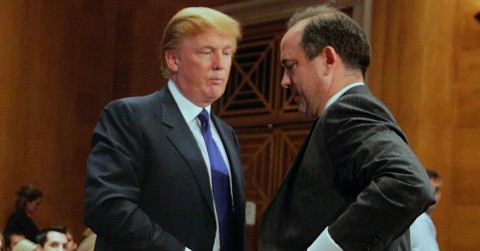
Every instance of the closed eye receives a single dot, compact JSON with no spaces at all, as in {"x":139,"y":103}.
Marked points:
{"x":289,"y":65}
{"x":206,"y":52}
{"x":227,"y":52}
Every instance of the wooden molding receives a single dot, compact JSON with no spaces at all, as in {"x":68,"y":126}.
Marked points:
{"x":264,"y":11}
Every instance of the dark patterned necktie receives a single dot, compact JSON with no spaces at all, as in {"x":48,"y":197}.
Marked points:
{"x":221,"y":184}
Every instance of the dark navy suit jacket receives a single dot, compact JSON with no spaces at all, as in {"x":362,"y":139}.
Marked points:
{"x":147,"y":184}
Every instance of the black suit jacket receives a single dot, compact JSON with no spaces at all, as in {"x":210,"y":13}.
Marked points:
{"x":356,"y":174}
{"x":147,"y":184}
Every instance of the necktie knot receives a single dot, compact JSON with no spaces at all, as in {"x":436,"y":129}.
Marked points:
{"x":204,"y":118}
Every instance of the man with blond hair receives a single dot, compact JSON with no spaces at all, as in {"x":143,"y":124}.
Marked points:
{"x":164,"y":173}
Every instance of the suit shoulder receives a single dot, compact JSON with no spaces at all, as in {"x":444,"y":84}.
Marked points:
{"x":136,"y":100}
{"x":357,"y":112}
{"x":359,"y":102}
{"x":137,"y":105}
{"x":130,"y":109}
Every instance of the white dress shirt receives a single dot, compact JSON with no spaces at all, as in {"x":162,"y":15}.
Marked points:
{"x":423,"y":235}
{"x":190,"y":113}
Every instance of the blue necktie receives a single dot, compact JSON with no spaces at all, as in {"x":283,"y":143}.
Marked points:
{"x":221,"y":184}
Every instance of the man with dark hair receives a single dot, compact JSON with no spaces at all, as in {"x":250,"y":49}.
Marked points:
{"x":355,"y":184}
{"x":53,"y":238}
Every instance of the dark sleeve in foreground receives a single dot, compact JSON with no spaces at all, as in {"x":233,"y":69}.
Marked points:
{"x":115,"y":169}
{"x":372,"y":158}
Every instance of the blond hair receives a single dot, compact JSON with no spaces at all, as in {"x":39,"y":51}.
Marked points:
{"x":192,"y":21}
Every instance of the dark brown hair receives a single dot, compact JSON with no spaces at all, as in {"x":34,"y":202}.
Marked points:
{"x":25,"y":194}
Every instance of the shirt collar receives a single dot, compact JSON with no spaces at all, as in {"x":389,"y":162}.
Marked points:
{"x":340,"y":93}
{"x":188,"y":109}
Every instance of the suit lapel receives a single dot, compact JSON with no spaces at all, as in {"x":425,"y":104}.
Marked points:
{"x":296,"y":162}
{"x":182,"y":138}
{"x":234,"y":160}
{"x":357,"y":89}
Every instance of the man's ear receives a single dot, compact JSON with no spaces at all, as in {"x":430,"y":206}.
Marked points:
{"x":171,"y":57}
{"x":331,"y":56}
{"x":331,"y":59}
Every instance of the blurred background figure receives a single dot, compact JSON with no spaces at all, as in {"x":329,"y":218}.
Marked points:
{"x":423,"y":234}
{"x":26,"y":204}
{"x":25,"y":245}
{"x":53,"y":238}
{"x":12,"y":238}
{"x":88,"y":241}
{"x":72,"y":244}
{"x":2,"y":243}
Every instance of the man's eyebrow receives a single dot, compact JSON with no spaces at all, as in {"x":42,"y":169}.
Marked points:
{"x":287,"y":61}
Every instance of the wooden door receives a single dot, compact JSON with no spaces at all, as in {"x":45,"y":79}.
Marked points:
{"x":265,"y":117}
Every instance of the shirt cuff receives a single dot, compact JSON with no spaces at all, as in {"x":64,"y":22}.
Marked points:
{"x":324,"y":242}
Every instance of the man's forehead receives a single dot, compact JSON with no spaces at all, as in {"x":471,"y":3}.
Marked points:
{"x":56,"y":235}
{"x":290,"y":49}
{"x":291,"y":35}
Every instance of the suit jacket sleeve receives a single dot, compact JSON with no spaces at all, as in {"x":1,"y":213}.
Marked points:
{"x":115,"y":169}
{"x":372,"y":159}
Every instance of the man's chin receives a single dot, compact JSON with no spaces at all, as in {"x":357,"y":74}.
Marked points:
{"x":303,"y":111}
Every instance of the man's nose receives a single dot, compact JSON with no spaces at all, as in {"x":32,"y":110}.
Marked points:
{"x":219,"y":61}
{"x":286,"y":81}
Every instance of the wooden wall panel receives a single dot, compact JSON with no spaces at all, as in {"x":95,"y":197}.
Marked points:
{"x":426,"y":68}
{"x":56,"y":76}
{"x":465,"y":201}
{"x":11,"y":18}
{"x":267,"y":153}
